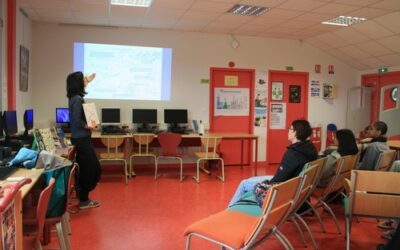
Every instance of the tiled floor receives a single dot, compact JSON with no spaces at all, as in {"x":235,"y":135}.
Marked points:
{"x":148,"y":214}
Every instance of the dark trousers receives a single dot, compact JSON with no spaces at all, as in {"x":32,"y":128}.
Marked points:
{"x":89,"y":166}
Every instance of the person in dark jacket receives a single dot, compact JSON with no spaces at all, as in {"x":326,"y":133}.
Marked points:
{"x":89,"y":165}
{"x":296,"y":156}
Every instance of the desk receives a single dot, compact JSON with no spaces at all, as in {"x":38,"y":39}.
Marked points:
{"x":34,"y":175}
{"x":225,"y":136}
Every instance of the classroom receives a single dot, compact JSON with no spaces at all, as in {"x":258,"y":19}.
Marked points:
{"x":243,"y":77}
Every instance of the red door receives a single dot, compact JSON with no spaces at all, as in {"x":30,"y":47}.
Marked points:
{"x":294,"y":102}
{"x":230,"y":149}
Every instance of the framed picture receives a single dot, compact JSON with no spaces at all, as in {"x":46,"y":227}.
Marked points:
{"x":294,"y":93}
{"x":23,"y":68}
{"x":277,"y":91}
{"x":329,"y":91}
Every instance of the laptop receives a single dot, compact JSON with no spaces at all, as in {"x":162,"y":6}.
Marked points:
{"x":6,"y":171}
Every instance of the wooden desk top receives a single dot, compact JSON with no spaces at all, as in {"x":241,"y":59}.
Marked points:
{"x":97,"y":134}
{"x":33,"y":174}
{"x":394,"y":144}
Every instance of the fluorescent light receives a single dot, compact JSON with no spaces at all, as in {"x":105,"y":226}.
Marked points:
{"x":248,"y":10}
{"x":344,"y":20}
{"x":133,"y":3}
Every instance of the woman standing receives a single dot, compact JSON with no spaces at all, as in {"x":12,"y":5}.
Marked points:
{"x":89,"y":165}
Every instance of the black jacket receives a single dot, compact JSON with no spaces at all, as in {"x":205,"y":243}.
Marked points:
{"x":294,"y":159}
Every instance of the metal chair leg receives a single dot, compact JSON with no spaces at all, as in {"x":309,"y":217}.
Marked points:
{"x":333,"y":216}
{"x":308,"y":230}
{"x":293,"y":219}
{"x":318,"y":217}
{"x":284,"y":240}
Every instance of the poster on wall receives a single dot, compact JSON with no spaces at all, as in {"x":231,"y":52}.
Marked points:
{"x":231,"y":102}
{"x":329,"y":91}
{"x":23,"y":68}
{"x":277,"y":118}
{"x":315,"y":88}
{"x":294,"y":93}
{"x":277,"y":91}
{"x":260,"y":117}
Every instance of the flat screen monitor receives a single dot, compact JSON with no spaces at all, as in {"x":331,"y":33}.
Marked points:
{"x":28,"y":119}
{"x":10,"y":122}
{"x":175,"y":116}
{"x":110,"y":115}
{"x":62,"y":115}
{"x":144,"y":116}
{"x":1,"y":125}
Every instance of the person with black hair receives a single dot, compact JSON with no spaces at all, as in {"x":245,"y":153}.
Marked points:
{"x":378,"y":144}
{"x":296,"y":156}
{"x":347,"y":145}
{"x":89,"y":165}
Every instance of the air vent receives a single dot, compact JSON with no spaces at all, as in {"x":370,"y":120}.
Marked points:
{"x":345,"y":20}
{"x":248,"y":10}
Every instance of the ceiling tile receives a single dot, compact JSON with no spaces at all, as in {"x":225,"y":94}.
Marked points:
{"x":54,"y":14}
{"x":297,"y":24}
{"x":336,"y":9}
{"x":392,"y":43}
{"x":314,"y":17}
{"x":332,"y":40}
{"x":173,"y":4}
{"x":340,"y":55}
{"x":200,"y":15}
{"x":372,"y":29}
{"x":59,"y":19}
{"x":165,"y":13}
{"x":390,"y":21}
{"x":50,"y":4}
{"x":120,"y":12}
{"x":373,"y":62}
{"x":31,"y":13}
{"x":187,"y":23}
{"x":211,"y":6}
{"x":368,"y":13}
{"x":357,"y":64}
{"x":24,"y":4}
{"x":252,"y":28}
{"x":305,"y":5}
{"x":373,"y":48}
{"x":282,"y":30}
{"x":264,"y":3}
{"x":357,"y":2}
{"x":88,"y":9}
{"x":354,"y":52}
{"x":283,"y":14}
{"x":387,"y":4}
{"x":350,"y":35}
{"x":269,"y":22}
{"x":237,"y":19}
{"x":92,"y":21}
{"x":390,"y":60}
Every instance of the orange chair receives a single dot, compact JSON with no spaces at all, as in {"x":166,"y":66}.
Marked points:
{"x":169,"y":143}
{"x":33,"y":241}
{"x":238,"y":230}
{"x":114,"y":144}
{"x":311,"y":177}
{"x":385,"y":160}
{"x":343,"y":168}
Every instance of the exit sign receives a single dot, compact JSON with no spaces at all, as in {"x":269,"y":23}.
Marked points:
{"x":383,"y":70}
{"x":289,"y":68}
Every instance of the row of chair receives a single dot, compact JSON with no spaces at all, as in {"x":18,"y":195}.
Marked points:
{"x":235,"y":229}
{"x":169,"y":143}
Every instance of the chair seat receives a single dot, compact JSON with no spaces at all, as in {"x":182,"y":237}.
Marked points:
{"x":208,"y":155}
{"x":228,"y":227}
{"x":109,"y":156}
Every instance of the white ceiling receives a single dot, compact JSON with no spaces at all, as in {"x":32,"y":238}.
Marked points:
{"x":367,"y":45}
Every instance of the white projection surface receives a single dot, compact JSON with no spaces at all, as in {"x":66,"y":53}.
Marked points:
{"x":125,"y":72}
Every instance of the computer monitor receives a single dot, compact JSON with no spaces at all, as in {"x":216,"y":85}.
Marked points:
{"x":110,"y":115}
{"x":28,"y":121}
{"x":62,"y":115}
{"x":144,"y":117}
{"x":175,"y":116}
{"x":10,"y":122}
{"x":1,"y":125}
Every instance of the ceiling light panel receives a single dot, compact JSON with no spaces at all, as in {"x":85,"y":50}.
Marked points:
{"x":132,"y":3}
{"x":248,"y":10}
{"x":344,"y":20}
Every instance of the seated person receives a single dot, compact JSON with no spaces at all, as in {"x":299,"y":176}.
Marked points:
{"x":378,"y":144}
{"x":300,"y":152}
{"x":346,"y":146}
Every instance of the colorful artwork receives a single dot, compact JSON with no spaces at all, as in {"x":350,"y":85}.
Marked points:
{"x":277,"y":91}
{"x":231,"y":102}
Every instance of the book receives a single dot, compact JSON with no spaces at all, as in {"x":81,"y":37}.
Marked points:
{"x":92,"y":119}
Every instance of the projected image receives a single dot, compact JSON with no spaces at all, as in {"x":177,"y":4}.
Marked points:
{"x":125,"y":72}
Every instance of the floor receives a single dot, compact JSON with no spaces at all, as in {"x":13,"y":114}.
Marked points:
{"x":148,"y":214}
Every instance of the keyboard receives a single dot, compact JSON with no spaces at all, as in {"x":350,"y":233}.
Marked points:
{"x":113,"y":133}
{"x":7,"y":171}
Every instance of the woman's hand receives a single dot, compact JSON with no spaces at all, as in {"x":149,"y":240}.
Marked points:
{"x":88,"y":79}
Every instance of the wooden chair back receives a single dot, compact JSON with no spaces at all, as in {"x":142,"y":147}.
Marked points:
{"x":113,"y":145}
{"x":343,"y":168}
{"x":276,"y":207}
{"x":210,"y":146}
{"x":143,"y":140}
{"x":375,"y":194}
{"x":385,"y":160}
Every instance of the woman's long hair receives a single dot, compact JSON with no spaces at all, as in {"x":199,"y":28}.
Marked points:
{"x":347,"y":142}
{"x":75,"y":84}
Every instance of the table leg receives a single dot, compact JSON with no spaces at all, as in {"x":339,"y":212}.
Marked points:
{"x":256,"y":156}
